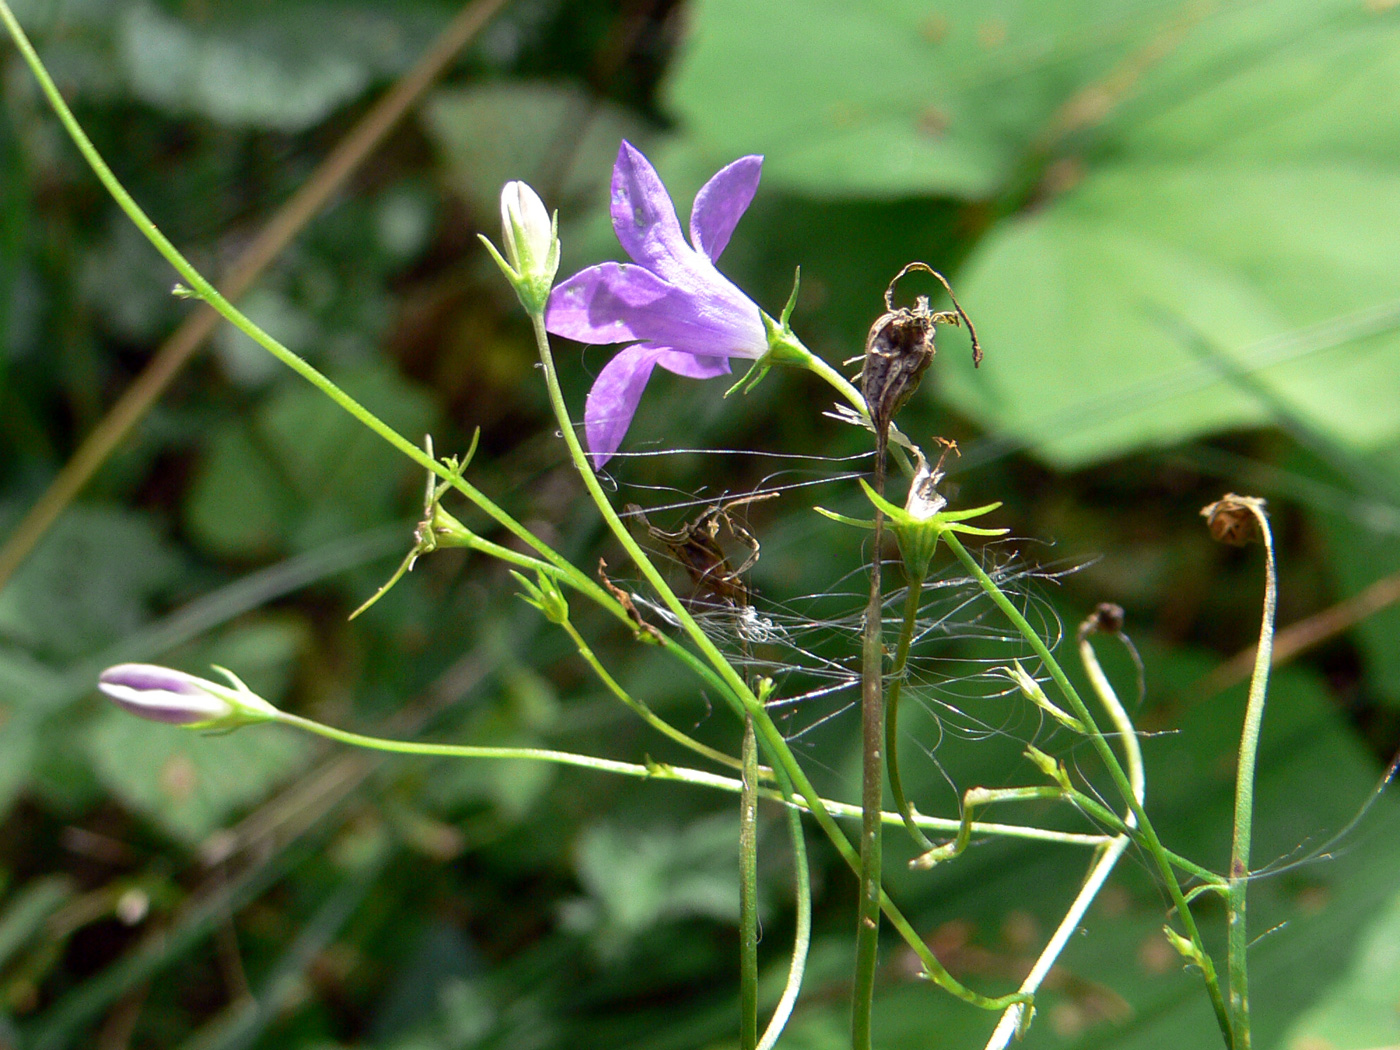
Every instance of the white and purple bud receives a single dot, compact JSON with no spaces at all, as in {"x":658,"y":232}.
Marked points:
{"x":176,"y":698}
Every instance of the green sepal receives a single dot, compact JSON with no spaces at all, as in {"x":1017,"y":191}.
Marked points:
{"x":544,"y":594}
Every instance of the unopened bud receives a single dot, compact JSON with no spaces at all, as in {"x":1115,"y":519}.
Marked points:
{"x":176,"y":698}
{"x":531,"y":245}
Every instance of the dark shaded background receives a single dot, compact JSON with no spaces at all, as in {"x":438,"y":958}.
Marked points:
{"x":1174,"y":225}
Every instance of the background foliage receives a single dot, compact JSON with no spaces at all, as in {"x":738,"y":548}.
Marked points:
{"x":1174,"y":224}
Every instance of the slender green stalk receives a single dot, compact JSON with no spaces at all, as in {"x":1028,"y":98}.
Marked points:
{"x":748,"y":894}
{"x":901,"y":660}
{"x":1014,"y":1022}
{"x":663,"y":772}
{"x":645,"y":713}
{"x":1151,"y":842}
{"x":933,"y":969}
{"x":1238,"y":938}
{"x":802,"y":937}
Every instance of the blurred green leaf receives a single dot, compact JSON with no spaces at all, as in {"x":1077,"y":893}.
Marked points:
{"x":1364,"y":549}
{"x":280,"y":66}
{"x":1198,"y":235}
{"x":639,"y":877}
{"x":91,"y":581}
{"x":1359,"y":1010}
{"x":489,"y":134}
{"x":185,"y":783}
{"x":304,"y":472}
{"x":896,"y":99}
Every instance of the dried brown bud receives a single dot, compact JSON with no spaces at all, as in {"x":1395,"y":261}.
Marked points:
{"x":899,"y":348}
{"x":1106,"y":619}
{"x":1234,"y":519}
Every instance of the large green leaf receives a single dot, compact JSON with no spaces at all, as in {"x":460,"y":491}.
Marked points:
{"x":1198,"y":202}
{"x":894,"y":99}
{"x":285,"y":67}
{"x":1226,"y":258}
{"x":1359,"y":1010}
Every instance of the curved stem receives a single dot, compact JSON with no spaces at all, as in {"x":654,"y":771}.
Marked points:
{"x":1151,"y":842}
{"x":1237,"y":943}
{"x":645,"y":713}
{"x":901,"y":660}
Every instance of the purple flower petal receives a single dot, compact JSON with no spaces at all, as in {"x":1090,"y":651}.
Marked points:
{"x":692,"y":366}
{"x":615,"y":303}
{"x":163,"y":695}
{"x":721,"y":203}
{"x":644,"y":217}
{"x":613,"y":400}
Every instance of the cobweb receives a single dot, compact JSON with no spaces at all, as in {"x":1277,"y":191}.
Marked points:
{"x":809,"y":644}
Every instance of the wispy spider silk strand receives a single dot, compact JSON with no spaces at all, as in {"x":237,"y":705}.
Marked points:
{"x":1151,"y":842}
{"x":1237,"y":942}
{"x":1013,"y":1022}
{"x":770,"y":737}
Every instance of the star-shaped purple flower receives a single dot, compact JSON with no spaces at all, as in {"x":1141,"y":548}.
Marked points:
{"x":676,"y":309}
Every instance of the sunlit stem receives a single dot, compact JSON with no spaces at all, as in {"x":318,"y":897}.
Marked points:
{"x":892,"y":694}
{"x":1015,"y":1021}
{"x":822,"y":812}
{"x":662,"y":772}
{"x":645,"y":713}
{"x":802,"y":937}
{"x":974,"y":799}
{"x":1151,"y":842}
{"x":748,"y":893}
{"x":1237,"y":942}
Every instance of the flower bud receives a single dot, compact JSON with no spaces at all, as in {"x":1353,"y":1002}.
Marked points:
{"x":176,"y":698}
{"x":531,"y":246}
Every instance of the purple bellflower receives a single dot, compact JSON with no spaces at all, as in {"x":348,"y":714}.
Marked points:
{"x":671,"y":303}
{"x":176,"y":698}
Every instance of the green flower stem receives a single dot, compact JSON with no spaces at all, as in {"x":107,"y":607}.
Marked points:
{"x":1237,"y":942}
{"x":901,"y":660}
{"x":1151,"y":842}
{"x":1013,"y":1023}
{"x":748,"y":894}
{"x":802,"y":937}
{"x":779,"y":753}
{"x":659,"y":771}
{"x":646,"y":714}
